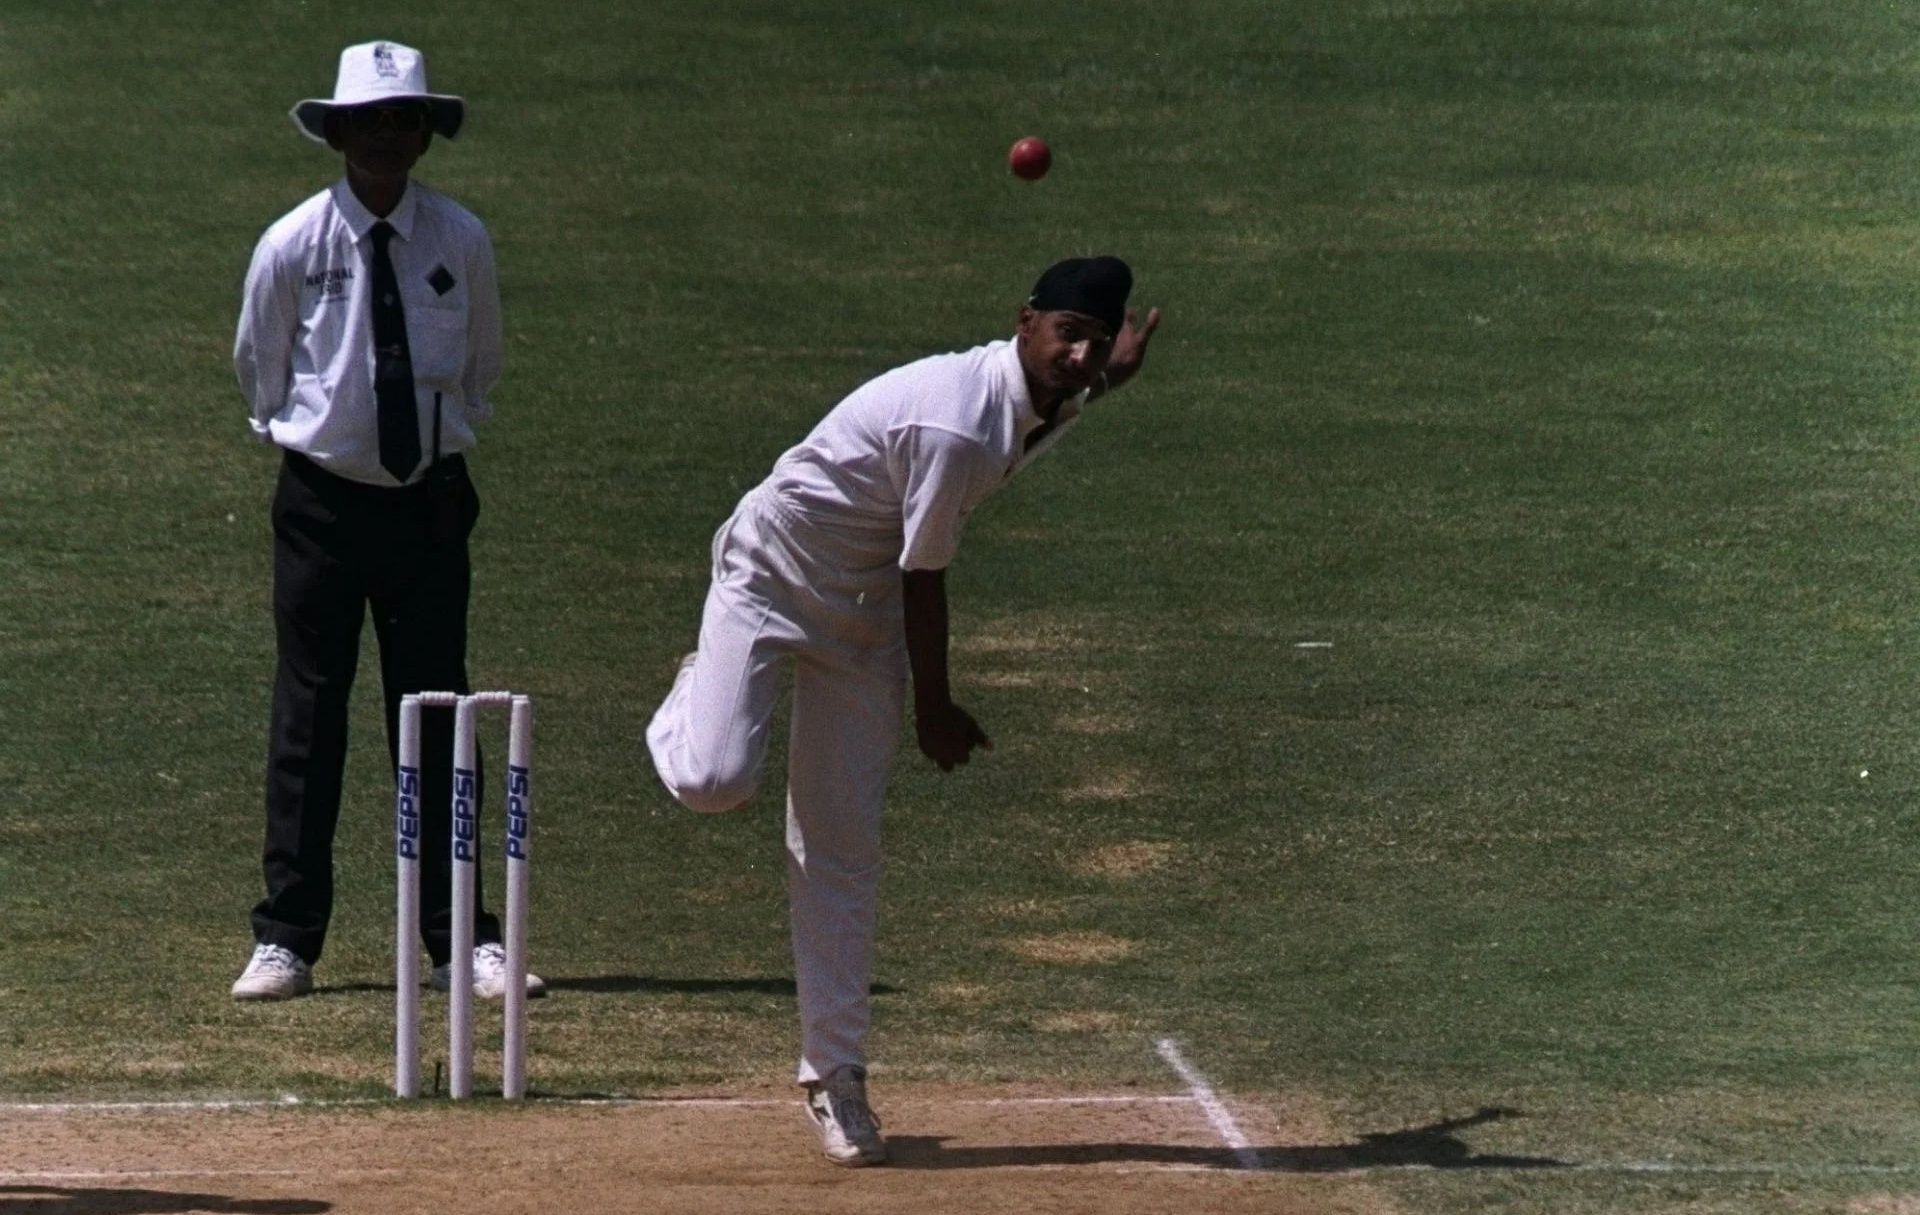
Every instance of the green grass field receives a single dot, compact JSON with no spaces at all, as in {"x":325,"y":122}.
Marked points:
{"x":1552,"y":360}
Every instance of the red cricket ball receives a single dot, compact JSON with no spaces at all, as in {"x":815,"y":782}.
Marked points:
{"x":1030,"y":158}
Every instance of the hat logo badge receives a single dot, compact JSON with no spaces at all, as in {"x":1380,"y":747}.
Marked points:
{"x":383,"y":61}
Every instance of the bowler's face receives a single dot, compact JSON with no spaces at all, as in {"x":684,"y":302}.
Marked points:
{"x":1063,"y":352}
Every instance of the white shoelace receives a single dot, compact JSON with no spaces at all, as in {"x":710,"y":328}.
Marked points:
{"x":850,"y":1111}
{"x":855,"y":1116}
{"x":275,"y":960}
{"x":490,"y":961}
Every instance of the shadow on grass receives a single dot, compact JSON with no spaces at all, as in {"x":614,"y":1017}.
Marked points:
{"x":654,"y":984}
{"x":350,"y":989}
{"x":1431,"y":1147}
{"x":61,"y":1200}
{"x":621,"y":984}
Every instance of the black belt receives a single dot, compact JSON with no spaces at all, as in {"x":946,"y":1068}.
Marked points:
{"x":322,"y":481}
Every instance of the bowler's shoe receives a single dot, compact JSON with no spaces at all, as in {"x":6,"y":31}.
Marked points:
{"x":849,"y":1132}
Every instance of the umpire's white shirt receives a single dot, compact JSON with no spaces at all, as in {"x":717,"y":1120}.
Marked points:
{"x":304,"y":352}
{"x":894,"y":470}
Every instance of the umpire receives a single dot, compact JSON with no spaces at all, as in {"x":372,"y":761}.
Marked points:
{"x":369,"y":337}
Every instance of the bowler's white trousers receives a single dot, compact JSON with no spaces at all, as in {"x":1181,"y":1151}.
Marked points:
{"x":786,"y":588}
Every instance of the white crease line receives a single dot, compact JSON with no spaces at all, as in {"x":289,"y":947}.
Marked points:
{"x":289,"y":1102}
{"x":1656,"y":1167}
{"x":20,"y":1175}
{"x":153,"y":1107}
{"x":1176,"y":1099}
{"x":1211,"y":1105}
{"x":909,"y":1099}
{"x":1661,"y":1168}
{"x":1737,"y":1170}
{"x":664,"y":1102}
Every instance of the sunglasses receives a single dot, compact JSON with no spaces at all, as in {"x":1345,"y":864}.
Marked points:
{"x":369,"y":119}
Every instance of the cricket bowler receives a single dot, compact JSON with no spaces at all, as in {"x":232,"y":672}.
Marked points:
{"x":837,"y":562}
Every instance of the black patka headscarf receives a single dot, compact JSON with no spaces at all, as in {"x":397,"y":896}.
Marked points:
{"x":1092,"y":286}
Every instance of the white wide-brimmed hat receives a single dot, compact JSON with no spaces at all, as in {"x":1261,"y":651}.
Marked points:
{"x":374,"y":73}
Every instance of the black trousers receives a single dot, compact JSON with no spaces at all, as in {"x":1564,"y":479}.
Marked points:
{"x":339,"y":547}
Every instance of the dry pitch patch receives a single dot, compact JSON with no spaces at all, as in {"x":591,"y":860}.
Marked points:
{"x":953,"y":1150}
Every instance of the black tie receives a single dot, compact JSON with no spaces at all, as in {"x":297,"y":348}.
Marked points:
{"x":392,"y":366}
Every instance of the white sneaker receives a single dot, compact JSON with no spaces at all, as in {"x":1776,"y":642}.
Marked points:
{"x":273,"y":973}
{"x":849,"y":1132}
{"x":489,"y":974}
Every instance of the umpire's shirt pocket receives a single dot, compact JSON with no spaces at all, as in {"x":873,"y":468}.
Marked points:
{"x":437,"y":340}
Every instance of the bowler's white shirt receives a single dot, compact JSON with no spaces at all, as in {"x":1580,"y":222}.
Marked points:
{"x":895,"y":468}
{"x":304,"y":352}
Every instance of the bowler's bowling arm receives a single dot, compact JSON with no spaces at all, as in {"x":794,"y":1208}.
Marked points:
{"x":1129,"y":352}
{"x":946,"y":732}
